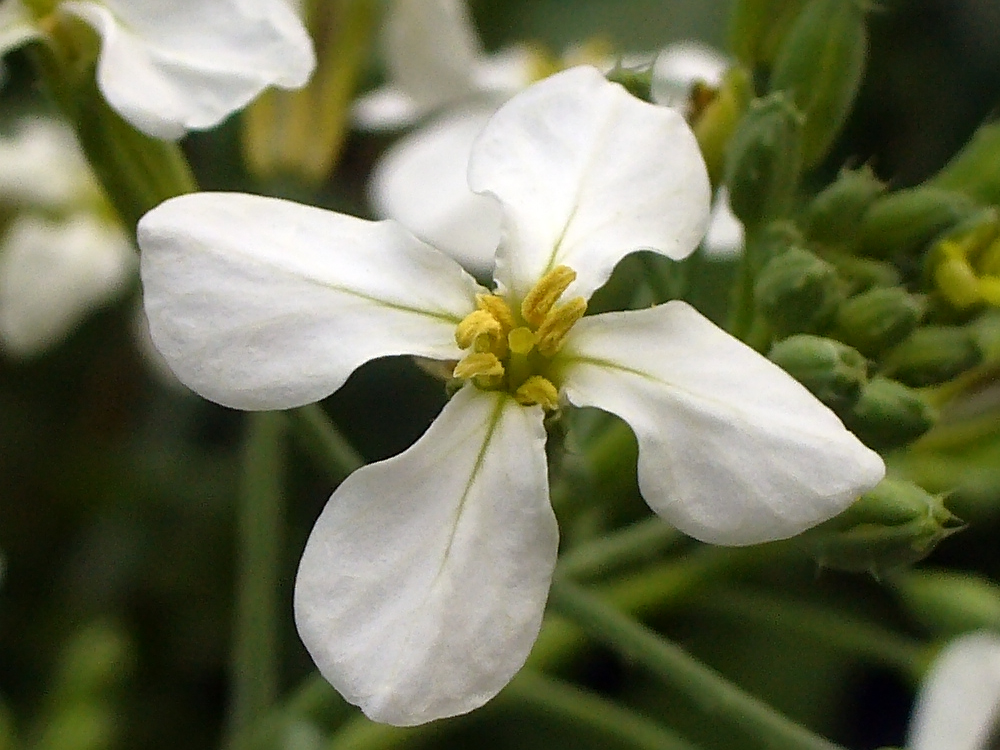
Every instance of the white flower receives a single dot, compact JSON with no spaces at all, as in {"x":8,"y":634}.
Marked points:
{"x":422,"y":586}
{"x":958,"y":706}
{"x":62,"y":255}
{"x":436,"y":66}
{"x":169,"y":67}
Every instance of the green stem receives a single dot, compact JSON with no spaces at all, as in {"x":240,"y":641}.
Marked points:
{"x":712,"y":693}
{"x":324,"y":442}
{"x":639,"y":542}
{"x":255,"y":640}
{"x":825,"y":626}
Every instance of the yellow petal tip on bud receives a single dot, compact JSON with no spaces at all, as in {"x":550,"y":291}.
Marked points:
{"x":538,"y":390}
{"x":552,"y":332}
{"x":541,"y":299}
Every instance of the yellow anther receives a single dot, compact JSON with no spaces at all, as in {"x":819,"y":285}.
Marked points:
{"x":557,"y":323}
{"x":538,"y":390}
{"x":475,"y":325}
{"x":543,"y":296}
{"x":479,"y":364}
{"x":521,"y":340}
{"x":498,"y":308}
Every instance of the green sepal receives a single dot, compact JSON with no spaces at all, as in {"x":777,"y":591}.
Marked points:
{"x":879,"y":318}
{"x":892,"y":526}
{"x":932,"y":355}
{"x":834,"y":214}
{"x":889,"y":414}
{"x":798,"y":292}
{"x":904,"y":222}
{"x":757,"y":29}
{"x":820,"y":65}
{"x":975,"y":170}
{"x":832,"y":371}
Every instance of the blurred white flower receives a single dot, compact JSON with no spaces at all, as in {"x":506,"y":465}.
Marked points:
{"x":958,"y":705}
{"x":62,"y":255}
{"x":423,"y":583}
{"x":437,"y":67}
{"x":170,"y":67}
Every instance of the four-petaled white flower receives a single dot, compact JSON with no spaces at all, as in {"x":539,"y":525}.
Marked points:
{"x":63,"y":254}
{"x":958,"y":706}
{"x":422,"y":586}
{"x":437,"y":68}
{"x":170,"y":67}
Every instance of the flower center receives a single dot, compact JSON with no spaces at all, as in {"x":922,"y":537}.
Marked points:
{"x":512,"y":350}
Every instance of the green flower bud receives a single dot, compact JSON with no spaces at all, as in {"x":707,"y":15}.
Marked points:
{"x":889,"y":414}
{"x":797,"y":292}
{"x":820,"y":65}
{"x":763,"y":161}
{"x":834,"y":214}
{"x":833,"y":372}
{"x":894,"y":525}
{"x":715,"y":122}
{"x":905,"y":221}
{"x":933,"y":355}
{"x":948,"y":602}
{"x":758,"y":27}
{"x":878,"y":319}
{"x":861,"y":274}
{"x":975,"y":170}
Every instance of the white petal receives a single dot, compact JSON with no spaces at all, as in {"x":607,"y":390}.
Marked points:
{"x":53,"y":273}
{"x":260,"y":303}
{"x":422,"y":586}
{"x":431,"y":50}
{"x":16,"y":25}
{"x":41,"y":165}
{"x":188,"y":64}
{"x":724,"y":237}
{"x":586,"y":174}
{"x":386,"y":108}
{"x":420,"y":182}
{"x":732,"y":450}
{"x":959,"y":701}
{"x":680,"y":66}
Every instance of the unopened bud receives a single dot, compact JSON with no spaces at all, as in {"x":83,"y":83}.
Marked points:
{"x":834,"y":214}
{"x":715,"y":122}
{"x":758,"y":27}
{"x":833,"y":372}
{"x":905,"y":221}
{"x":975,"y":170}
{"x":763,"y":161}
{"x":820,"y":65}
{"x":950,"y":603}
{"x":889,"y":414}
{"x":933,"y":355}
{"x":861,"y":274}
{"x":893,"y":525}
{"x":797,"y":292}
{"x":878,"y":319}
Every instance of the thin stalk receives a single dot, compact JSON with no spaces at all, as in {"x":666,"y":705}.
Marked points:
{"x":259,"y":526}
{"x":638,"y":542}
{"x":320,"y":437}
{"x":823,"y":625}
{"x":706,"y":688}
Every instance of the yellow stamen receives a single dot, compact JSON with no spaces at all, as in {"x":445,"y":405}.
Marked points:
{"x":475,"y":325}
{"x":498,"y":308}
{"x":543,"y":296}
{"x":538,"y":390}
{"x":557,"y":323}
{"x":479,"y":364}
{"x":521,"y":340}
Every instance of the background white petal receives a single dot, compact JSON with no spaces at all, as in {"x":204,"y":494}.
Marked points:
{"x":586,"y":174}
{"x":732,"y":450}
{"x":959,"y":702}
{"x":422,"y":586}
{"x":260,"y":303}
{"x":41,"y":164}
{"x":679,"y":66}
{"x":724,"y":237}
{"x":421,"y":183}
{"x":187,"y":64}
{"x":16,"y":25}
{"x":52,"y":273}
